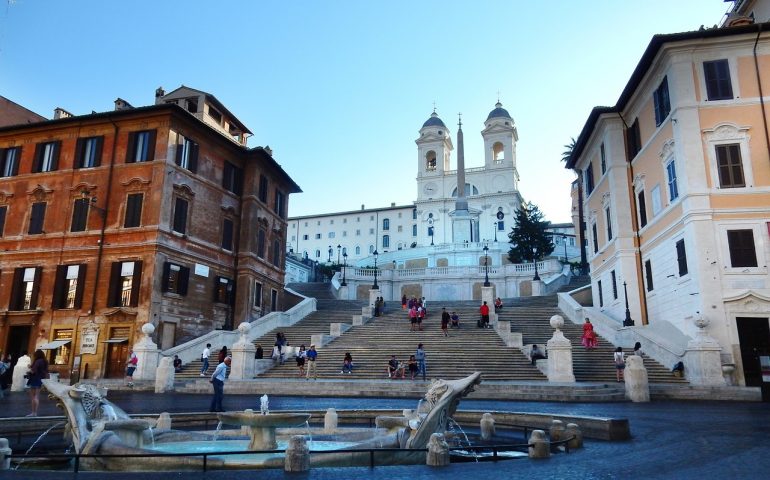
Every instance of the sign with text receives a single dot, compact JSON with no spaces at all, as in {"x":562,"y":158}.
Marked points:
{"x":88,"y":339}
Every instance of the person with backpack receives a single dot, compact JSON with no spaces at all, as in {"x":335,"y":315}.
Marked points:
{"x":620,"y":363}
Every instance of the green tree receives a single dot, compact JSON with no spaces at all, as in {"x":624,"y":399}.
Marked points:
{"x":528,"y":237}
{"x":568,"y":148}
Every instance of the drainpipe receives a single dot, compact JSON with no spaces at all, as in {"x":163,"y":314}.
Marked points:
{"x":581,"y":225}
{"x":635,"y":226}
{"x":761,"y":96}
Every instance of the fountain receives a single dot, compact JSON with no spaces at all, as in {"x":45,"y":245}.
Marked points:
{"x":262,"y":427}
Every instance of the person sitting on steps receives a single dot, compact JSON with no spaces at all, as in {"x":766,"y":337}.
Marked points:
{"x":536,"y":354}
{"x":394,"y":367}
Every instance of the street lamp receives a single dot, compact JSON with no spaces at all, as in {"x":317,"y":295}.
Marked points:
{"x":534,"y":258}
{"x":330,"y":254}
{"x":486,"y":267}
{"x":344,"y":268}
{"x":496,"y":231}
{"x":627,"y":322}
{"x":375,"y":286}
{"x":339,"y":247}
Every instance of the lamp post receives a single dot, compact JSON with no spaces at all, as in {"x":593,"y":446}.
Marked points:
{"x":486,"y":267}
{"x":330,"y":254}
{"x":339,"y":248}
{"x":344,"y":268}
{"x":375,"y":286}
{"x":564,"y":237}
{"x":496,"y":231}
{"x":534,"y":258}
{"x":627,"y":322}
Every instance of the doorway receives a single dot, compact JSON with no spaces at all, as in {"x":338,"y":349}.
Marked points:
{"x":18,"y":341}
{"x":117,"y":354}
{"x":754,"y":338}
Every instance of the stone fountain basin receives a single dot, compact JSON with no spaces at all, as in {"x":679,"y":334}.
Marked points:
{"x":257,"y":420}
{"x":135,"y":425}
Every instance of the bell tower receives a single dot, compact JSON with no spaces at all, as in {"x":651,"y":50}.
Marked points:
{"x":433,"y":153}
{"x":500,"y":137}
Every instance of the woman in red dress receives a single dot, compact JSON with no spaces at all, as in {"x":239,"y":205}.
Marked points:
{"x":589,"y":336}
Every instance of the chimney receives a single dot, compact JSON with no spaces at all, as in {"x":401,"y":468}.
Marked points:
{"x":268,"y":150}
{"x":159,"y":93}
{"x":392,"y":204}
{"x":60,"y":113}
{"x":121,"y":104}
{"x":362,"y":206}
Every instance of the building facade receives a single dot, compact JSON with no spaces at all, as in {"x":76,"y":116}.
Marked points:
{"x":138,"y":215}
{"x":492,"y":192}
{"x":676,"y":192}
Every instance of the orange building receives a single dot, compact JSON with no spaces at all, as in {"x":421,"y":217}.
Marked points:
{"x":156,"y":214}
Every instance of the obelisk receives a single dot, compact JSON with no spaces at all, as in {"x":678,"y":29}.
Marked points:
{"x":462,"y":223}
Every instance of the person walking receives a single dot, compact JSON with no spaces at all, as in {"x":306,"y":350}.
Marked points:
{"x":420,"y":317}
{"x":301,"y":360}
{"x":589,"y":336}
{"x":131,"y":364}
{"x":413,"y":318}
{"x":37,"y":372}
{"x":312,"y":356}
{"x":218,"y":381}
{"x":419,"y":355}
{"x":205,"y":357}
{"x":638,"y":349}
{"x":445,"y":321}
{"x":620,"y":363}
{"x":484,"y":310}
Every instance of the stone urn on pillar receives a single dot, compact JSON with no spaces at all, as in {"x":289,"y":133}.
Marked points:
{"x":147,"y":353}
{"x":242,"y":366}
{"x":703,"y":357}
{"x":559,"y":354}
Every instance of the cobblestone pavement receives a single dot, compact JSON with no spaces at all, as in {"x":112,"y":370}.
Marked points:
{"x":671,"y":440}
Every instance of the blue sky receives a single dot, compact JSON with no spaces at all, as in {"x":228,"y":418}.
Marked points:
{"x":340,"y":89}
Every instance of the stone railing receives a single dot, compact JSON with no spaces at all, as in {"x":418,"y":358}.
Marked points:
{"x":191,"y":351}
{"x":544,"y":267}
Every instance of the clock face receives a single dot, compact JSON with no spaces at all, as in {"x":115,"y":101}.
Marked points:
{"x":430,"y":188}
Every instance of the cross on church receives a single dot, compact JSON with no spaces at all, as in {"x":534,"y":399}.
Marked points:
{"x":434,"y":106}
{"x":460,"y":119}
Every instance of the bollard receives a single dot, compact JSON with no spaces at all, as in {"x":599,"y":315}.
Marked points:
{"x":297,"y":455}
{"x":539,"y":447}
{"x":487,"y":426}
{"x":5,"y":451}
{"x":438,"y":451}
{"x":573,"y":431}
{"x":637,"y":383}
{"x":164,"y":422}
{"x":330,"y":420}
{"x":557,"y":431}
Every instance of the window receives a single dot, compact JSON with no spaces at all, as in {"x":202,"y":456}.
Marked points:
{"x":655,"y":196}
{"x":595,"y":237}
{"x":263,"y":189}
{"x":414,"y":230}
{"x":80,"y":215}
{"x":614,"y":285}
{"x":430,"y":161}
{"x":232,"y":178}
{"x":68,"y":286}
{"x":634,"y":139}
{"x":61,"y":356}
{"x":227,"y":234}
{"x":673,"y":188}
{"x":261,"y":243}
{"x":642,"y":205}
{"x":501,"y":226}
{"x":344,"y":233}
{"x":175,"y":278}
{"x":223,"y":289}
{"x":589,"y":173}
{"x":304,"y":237}
{"x":358,"y":232}
{"x":317,"y":254}
{"x":276,"y":253}
{"x":179,"y":224}
{"x":742,"y":251}
{"x":9,"y":161}
{"x":386,"y":241}
{"x":648,"y":274}
{"x":717,"y":76}
{"x":317,"y":236}
{"x":400,"y":229}
{"x":141,"y":147}
{"x":681,"y":258}
{"x":331,"y":234}
{"x":88,"y":152}
{"x":601,"y":293}
{"x":37,"y":218}
{"x":358,"y":250}
{"x":25,"y":288}
{"x":730,"y":166}
{"x":385,"y":224}
{"x":603,"y":157}
{"x":257,"y":294}
{"x":608,"y":218}
{"x":371,"y":231}
{"x":414,"y":214}
{"x":371,"y":249}
{"x":273,"y":299}
{"x":662,"y":103}
{"x":46,"y":157}
{"x":124,"y":284}
{"x":133,"y":210}
{"x":187,"y":155}
{"x":280,"y":204}
{"x":3,"y":213}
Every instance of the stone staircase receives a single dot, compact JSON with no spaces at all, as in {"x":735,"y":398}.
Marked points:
{"x":317,"y":290}
{"x":576,"y":282}
{"x":465,"y":351}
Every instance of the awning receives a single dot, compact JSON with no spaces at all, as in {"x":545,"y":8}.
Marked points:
{"x":54,"y":345}
{"x":116,"y":340}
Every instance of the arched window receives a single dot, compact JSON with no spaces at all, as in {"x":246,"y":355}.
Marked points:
{"x":386,"y":224}
{"x":358,"y":250}
{"x":371,"y":249}
{"x":414,"y":214}
{"x":344,"y":250}
{"x":386,"y":241}
{"x":317,"y":254}
{"x":470,"y":190}
{"x":276,"y":253}
{"x":430,"y":161}
{"x":497,"y":152}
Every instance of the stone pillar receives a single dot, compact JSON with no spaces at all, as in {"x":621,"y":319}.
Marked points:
{"x":164,"y":379}
{"x":147,"y":354}
{"x":559,"y":354}
{"x":575,"y":434}
{"x":488,"y":295}
{"x":5,"y":462}
{"x":487,"y":426}
{"x":297,"y":455}
{"x":556,"y":432}
{"x":18,"y":374}
{"x":702,"y":359}
{"x":164,"y":422}
{"x":342,"y":294}
{"x":438,"y":451}
{"x":637,"y":385}
{"x":242,"y":367}
{"x":537,"y":288}
{"x":539,"y":446}
{"x":330,"y":421}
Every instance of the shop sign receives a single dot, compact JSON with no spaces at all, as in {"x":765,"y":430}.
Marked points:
{"x":88,"y":339}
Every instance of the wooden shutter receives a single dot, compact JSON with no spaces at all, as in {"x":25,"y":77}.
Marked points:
{"x":183,"y":280}
{"x":131,"y":148}
{"x":151,"y":145}
{"x":180,"y":215}
{"x":55,"y":159}
{"x":3,"y":159}
{"x":179,"y":148}
{"x":3,"y":212}
{"x":58,"y":286}
{"x":642,"y":210}
{"x":81,"y":285}
{"x":238,"y":181}
{"x":18,"y":161}
{"x":192,"y":164}
{"x":133,"y":210}
{"x":136,"y":283}
{"x":16,"y":291}
{"x":36,"y":288}
{"x":227,"y":176}
{"x":98,"y":151}
{"x":38,"y":160}
{"x":80,"y":215}
{"x":37,"y":218}
{"x":79,"y":152}
{"x":164,"y":278}
{"x":227,"y":234}
{"x":113,"y":293}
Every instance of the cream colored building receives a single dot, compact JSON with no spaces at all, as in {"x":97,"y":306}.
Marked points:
{"x":676,"y":196}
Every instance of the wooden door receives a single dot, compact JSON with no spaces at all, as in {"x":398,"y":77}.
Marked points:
{"x":117,"y":355}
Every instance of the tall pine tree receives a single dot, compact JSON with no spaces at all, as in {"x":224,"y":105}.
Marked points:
{"x":528,"y":238}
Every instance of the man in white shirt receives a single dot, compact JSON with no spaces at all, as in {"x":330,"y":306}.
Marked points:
{"x":218,"y":380}
{"x":205,"y":358}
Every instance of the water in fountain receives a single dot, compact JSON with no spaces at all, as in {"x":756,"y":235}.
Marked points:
{"x":152,"y":437}
{"x":38,"y":441}
{"x":309,"y":434}
{"x":216,"y":432}
{"x":109,"y":412}
{"x":454,"y":427}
